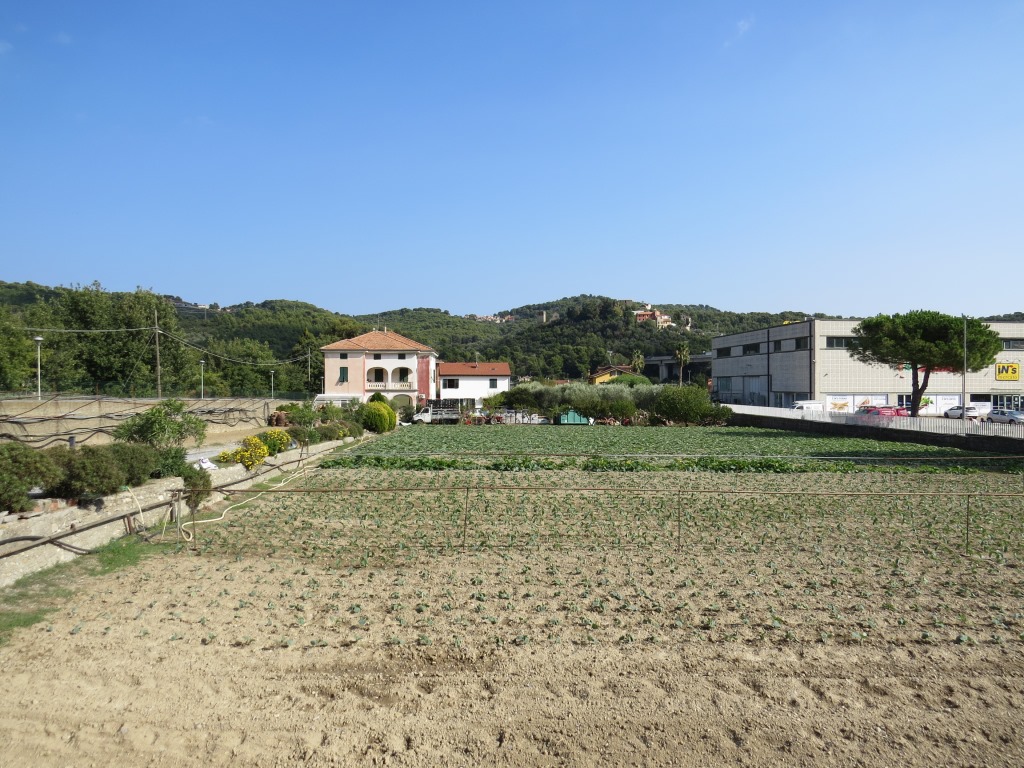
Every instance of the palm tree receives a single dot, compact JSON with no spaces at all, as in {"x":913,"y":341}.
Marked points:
{"x":683,"y":356}
{"x":638,"y":361}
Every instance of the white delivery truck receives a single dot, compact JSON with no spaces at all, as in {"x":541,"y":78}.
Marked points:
{"x":438,"y":412}
{"x":807,"y":405}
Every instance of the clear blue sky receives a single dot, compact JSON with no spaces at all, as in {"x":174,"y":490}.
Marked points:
{"x":849,"y":158}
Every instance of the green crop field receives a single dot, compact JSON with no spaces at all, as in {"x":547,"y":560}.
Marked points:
{"x":387,"y":547}
{"x":618,"y":441}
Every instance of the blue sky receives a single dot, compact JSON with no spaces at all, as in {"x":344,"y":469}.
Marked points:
{"x":848,"y":158}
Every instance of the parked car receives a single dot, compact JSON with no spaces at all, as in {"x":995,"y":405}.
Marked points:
{"x":1005,"y":416}
{"x":883,"y":410}
{"x":957,"y":412}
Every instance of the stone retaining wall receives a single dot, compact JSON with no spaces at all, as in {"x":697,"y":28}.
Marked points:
{"x":52,"y":517}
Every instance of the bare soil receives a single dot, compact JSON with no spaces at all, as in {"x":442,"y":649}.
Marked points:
{"x":200,"y":659}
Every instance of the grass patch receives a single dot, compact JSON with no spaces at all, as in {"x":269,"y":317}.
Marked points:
{"x":34,"y":597}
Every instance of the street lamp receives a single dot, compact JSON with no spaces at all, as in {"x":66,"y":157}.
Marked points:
{"x":271,"y":385}
{"x":39,"y":371}
{"x":202,"y":379}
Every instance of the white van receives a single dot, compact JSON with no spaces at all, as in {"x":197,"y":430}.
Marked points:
{"x":807,"y":405}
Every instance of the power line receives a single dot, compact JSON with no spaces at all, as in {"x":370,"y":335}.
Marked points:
{"x":231,"y":359}
{"x":183,"y":342}
{"x":97,"y":330}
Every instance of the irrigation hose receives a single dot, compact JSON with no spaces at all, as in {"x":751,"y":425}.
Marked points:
{"x":189,"y":535}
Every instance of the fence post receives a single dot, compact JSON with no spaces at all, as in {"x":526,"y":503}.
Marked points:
{"x":465,"y":518}
{"x":967,"y":513}
{"x":679,"y":522}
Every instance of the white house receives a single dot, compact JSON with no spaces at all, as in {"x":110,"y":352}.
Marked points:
{"x":473,"y":381}
{"x":401,"y":369}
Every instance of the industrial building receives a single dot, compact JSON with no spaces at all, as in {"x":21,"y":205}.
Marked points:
{"x":810,"y":360}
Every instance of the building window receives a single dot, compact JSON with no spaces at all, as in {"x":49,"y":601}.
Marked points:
{"x":802,"y":343}
{"x":343,"y":355}
{"x":342,"y":375}
{"x":1013,"y":344}
{"x":376,"y":355}
{"x":492,"y":383}
{"x":839,"y":342}
{"x":449,"y":383}
{"x":401,"y":355}
{"x":777,"y":345}
{"x":378,"y":375}
{"x":723,"y":352}
{"x":751,"y":349}
{"x":403,"y":375}
{"x":725,"y":383}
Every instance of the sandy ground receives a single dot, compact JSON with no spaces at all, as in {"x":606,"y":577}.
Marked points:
{"x":198,"y":659}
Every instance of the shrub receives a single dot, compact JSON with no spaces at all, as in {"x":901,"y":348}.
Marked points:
{"x":353,"y":428}
{"x":88,"y":471}
{"x":331,"y":431}
{"x":303,"y":415}
{"x":304,"y":435}
{"x":198,"y":484}
{"x":252,"y":452}
{"x":377,"y":397}
{"x":249,"y":454}
{"x":378,"y":417}
{"x":276,"y":440}
{"x":688,"y":404}
{"x":331,"y":412}
{"x":164,"y":425}
{"x":21,"y":470}
{"x":172,"y":462}
{"x":138,"y":460}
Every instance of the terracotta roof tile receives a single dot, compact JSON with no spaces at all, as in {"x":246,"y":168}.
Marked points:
{"x":473,"y":369}
{"x":378,"y":341}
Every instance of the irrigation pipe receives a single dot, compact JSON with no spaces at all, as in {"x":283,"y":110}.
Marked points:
{"x":189,"y":535}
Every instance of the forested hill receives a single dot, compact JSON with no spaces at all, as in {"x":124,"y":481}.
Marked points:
{"x":563,"y":338}
{"x":453,"y":337}
{"x":285,"y":327}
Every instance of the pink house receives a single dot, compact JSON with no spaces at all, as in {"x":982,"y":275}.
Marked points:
{"x":399,"y":368}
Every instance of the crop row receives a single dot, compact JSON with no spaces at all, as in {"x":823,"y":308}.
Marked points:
{"x":371,"y":556}
{"x":612,"y":441}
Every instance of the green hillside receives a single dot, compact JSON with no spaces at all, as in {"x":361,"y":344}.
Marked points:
{"x":564,"y":338}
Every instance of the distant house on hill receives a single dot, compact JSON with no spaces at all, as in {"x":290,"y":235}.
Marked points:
{"x":660,"y":319}
{"x":399,"y":368}
{"x":608,"y":373}
{"x":473,"y":381}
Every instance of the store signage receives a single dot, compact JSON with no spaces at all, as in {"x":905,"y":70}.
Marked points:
{"x":1007,"y":371}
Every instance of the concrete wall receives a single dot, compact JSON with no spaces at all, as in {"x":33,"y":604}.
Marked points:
{"x":90,"y":420}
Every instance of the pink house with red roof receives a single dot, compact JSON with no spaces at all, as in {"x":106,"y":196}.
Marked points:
{"x":399,"y":368}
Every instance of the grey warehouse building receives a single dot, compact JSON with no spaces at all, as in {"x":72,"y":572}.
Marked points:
{"x":810,"y":360}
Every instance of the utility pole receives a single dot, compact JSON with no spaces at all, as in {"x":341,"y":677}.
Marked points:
{"x":39,"y":369}
{"x":156,"y":325}
{"x":963,"y":403}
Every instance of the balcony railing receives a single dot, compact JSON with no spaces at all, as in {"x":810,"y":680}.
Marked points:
{"x":391,"y":385}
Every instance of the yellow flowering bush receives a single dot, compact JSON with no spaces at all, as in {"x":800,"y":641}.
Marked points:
{"x":276,"y":440}
{"x":250,"y":454}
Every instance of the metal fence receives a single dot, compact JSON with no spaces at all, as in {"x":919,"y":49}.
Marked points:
{"x":939,"y":426}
